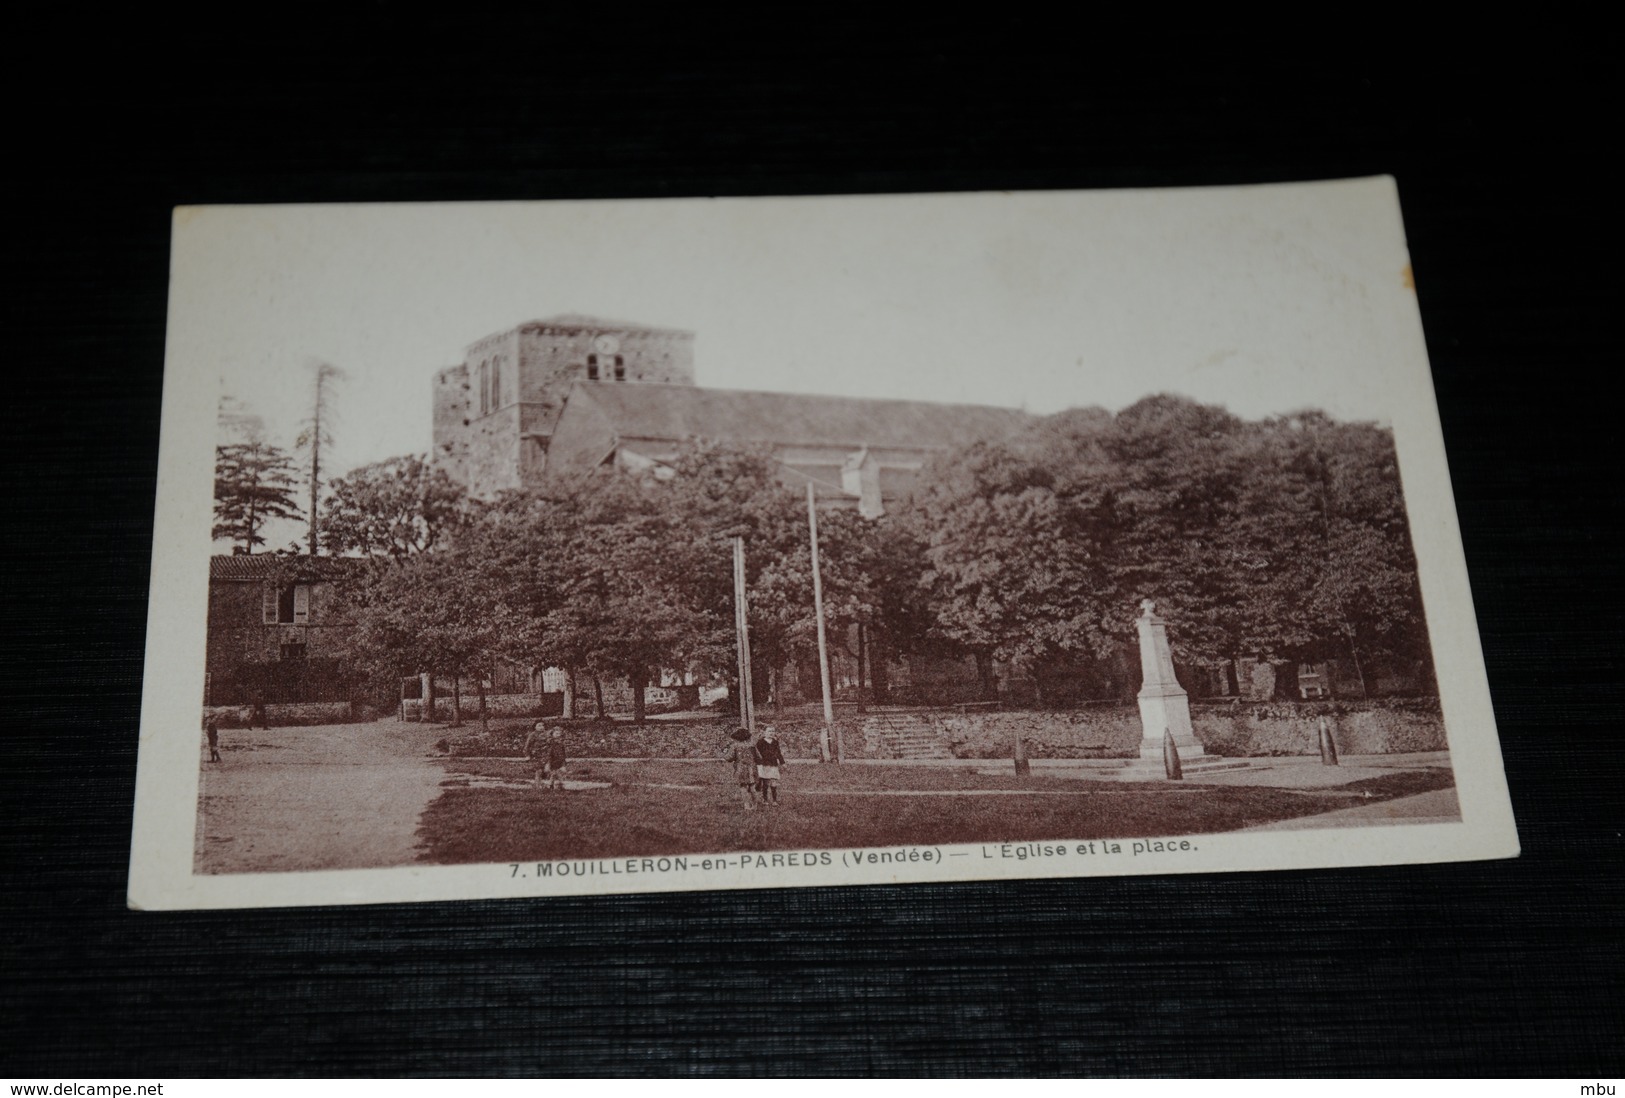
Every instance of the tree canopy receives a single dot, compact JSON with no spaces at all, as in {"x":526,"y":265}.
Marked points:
{"x":1282,"y":539}
{"x":390,"y":508}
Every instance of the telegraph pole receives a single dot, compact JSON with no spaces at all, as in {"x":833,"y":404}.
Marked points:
{"x":818,"y":609}
{"x":747,"y":708}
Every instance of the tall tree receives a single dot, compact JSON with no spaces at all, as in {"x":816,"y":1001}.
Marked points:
{"x":1283,"y":539}
{"x":721,"y":492}
{"x":1344,"y":585}
{"x":395,"y":507}
{"x":630,"y":572}
{"x":522,"y":547}
{"x":1014,"y":574}
{"x":429,"y":612}
{"x":871,"y":572}
{"x":1167,"y":503}
{"x":253,"y":480}
{"x":596,"y":578}
{"x":317,"y":432}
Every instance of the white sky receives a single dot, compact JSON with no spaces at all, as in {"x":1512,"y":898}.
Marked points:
{"x":1263,"y":299}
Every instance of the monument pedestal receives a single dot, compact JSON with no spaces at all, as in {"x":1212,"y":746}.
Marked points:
{"x":1164,"y":705}
{"x":1170,"y":713}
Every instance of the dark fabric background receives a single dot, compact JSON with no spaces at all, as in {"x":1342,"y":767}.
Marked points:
{"x":1503,"y":152}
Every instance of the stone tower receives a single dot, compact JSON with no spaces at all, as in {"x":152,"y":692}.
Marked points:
{"x":495,"y":411}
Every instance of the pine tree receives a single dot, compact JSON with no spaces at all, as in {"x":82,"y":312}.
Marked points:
{"x":253,"y":481}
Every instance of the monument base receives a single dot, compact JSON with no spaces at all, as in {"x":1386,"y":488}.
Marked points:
{"x":1152,"y":770}
{"x":1166,"y":710}
{"x":1190,"y":750}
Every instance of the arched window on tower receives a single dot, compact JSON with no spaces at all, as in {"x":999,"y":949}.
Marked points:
{"x":485,"y":387}
{"x":592,"y":367}
{"x":620,"y":368}
{"x":496,"y":383}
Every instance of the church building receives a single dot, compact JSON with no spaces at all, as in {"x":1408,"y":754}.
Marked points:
{"x":572,"y":393}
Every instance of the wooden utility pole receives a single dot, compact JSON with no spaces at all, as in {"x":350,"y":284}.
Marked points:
{"x":818,"y":609}
{"x":863,"y":658}
{"x":316,"y":433}
{"x":747,"y":707}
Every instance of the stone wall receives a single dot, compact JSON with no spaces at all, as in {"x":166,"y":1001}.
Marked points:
{"x":290,"y":715}
{"x":1098,"y":732}
{"x":1094,"y":732}
{"x":1237,"y":728}
{"x":237,"y":632}
{"x":491,"y":452}
{"x":244,"y":654}
{"x":451,"y":422}
{"x":619,"y":739}
{"x":1388,"y":726}
{"x":489,"y":448}
{"x":554,"y":356}
{"x":496,"y":705}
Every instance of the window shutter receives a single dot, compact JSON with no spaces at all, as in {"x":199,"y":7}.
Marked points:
{"x":269,"y":604}
{"x":301,"y":605}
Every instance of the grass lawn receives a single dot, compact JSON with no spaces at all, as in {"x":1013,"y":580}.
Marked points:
{"x":674,"y":807}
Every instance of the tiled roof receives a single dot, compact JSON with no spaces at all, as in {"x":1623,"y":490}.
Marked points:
{"x":260,"y":567}
{"x":640,"y":410}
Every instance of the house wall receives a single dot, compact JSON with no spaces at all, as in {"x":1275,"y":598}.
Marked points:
{"x":237,"y":630}
{"x":239,"y":640}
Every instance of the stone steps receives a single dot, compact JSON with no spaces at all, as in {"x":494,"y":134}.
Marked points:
{"x":907,"y":736}
{"x":1206,"y":766}
{"x":917,"y":747}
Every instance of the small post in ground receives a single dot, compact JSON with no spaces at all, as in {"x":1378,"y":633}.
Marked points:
{"x":1170,"y":757}
{"x":1328,"y":746}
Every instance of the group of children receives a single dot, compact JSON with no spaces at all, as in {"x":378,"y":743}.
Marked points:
{"x":547,"y":755}
{"x":756,"y":766}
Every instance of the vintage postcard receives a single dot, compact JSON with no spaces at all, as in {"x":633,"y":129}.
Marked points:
{"x":515,"y":549}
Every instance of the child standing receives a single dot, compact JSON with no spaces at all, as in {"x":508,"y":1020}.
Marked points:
{"x":743,"y":757}
{"x":556,"y":760}
{"x":769,"y":758}
{"x":213,"y":730}
{"x":536,"y":749}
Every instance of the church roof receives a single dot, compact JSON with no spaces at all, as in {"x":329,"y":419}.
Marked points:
{"x":641,"y":410}
{"x":582,"y":322}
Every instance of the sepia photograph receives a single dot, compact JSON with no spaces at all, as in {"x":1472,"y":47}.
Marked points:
{"x":542,"y":548}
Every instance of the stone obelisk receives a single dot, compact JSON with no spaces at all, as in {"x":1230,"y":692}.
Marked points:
{"x":1164,"y":705}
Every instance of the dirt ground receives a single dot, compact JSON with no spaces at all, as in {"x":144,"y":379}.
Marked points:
{"x":330,"y":797}
{"x":354,"y":796}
